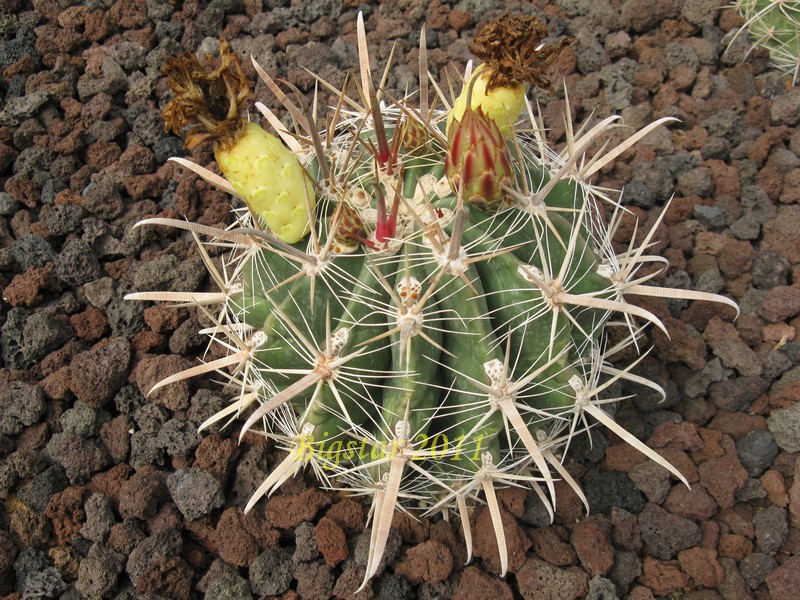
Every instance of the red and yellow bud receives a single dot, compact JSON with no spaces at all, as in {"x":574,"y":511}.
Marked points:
{"x":478,"y":163}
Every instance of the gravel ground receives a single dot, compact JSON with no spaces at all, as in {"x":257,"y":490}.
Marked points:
{"x":108,"y":495}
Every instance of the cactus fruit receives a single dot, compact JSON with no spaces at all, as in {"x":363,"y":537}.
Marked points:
{"x":423,"y":345}
{"x":774,"y":25}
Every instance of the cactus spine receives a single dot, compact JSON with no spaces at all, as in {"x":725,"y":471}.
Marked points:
{"x":426,"y":343}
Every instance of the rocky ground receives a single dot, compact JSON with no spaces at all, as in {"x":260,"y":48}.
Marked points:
{"x":106,"y":494}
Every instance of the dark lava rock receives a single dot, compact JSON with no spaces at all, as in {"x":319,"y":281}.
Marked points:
{"x":37,"y":493}
{"x":32,"y":251}
{"x":196,"y":492}
{"x":97,"y":374}
{"x":608,"y":489}
{"x":771,"y":528}
{"x":21,"y":405}
{"x":76,"y":263}
{"x":98,"y":572}
{"x":756,"y":451}
{"x":272,"y":572}
{"x":665,"y":534}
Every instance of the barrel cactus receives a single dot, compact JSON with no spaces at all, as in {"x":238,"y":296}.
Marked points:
{"x":775,"y":26}
{"x":420,"y":304}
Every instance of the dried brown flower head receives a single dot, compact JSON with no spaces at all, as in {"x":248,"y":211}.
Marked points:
{"x":208,"y":97}
{"x":512,"y":51}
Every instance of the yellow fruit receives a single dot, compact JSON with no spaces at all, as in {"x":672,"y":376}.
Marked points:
{"x":271,"y":180}
{"x":502,"y":104}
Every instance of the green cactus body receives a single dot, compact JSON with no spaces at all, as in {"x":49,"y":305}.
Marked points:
{"x":775,"y":25}
{"x":430,"y":350}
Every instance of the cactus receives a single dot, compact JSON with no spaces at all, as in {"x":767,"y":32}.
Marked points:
{"x":774,"y":25}
{"x":425,"y":343}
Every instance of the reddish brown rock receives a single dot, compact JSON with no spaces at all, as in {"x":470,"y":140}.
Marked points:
{"x":484,"y":541}
{"x":513,"y":500}
{"x":663,"y":577}
{"x":681,"y":461}
{"x":694,"y":503}
{"x":217,"y":456}
{"x":65,"y":511}
{"x":683,"y":436}
{"x":477,"y":585}
{"x":109,"y":483}
{"x":702,"y":566}
{"x":723,"y":477}
{"x":89,"y":325}
{"x":285,"y":512}
{"x":781,"y":303}
{"x":163,"y":319}
{"x":331,"y":542}
{"x":349,"y":515}
{"x":775,"y":486}
{"x":784,"y":581}
{"x":235,"y":545}
{"x":641,"y":593}
{"x":430,"y":561}
{"x":682,"y":345}
{"x":734,"y":545}
{"x":593,"y":547}
{"x":411,"y":529}
{"x":117,"y":438}
{"x":140,"y":495}
{"x":56,"y":385}
{"x":737,"y":424}
{"x":551,"y":544}
{"x":620,"y":458}
{"x":168,"y":576}
{"x":26,"y":288}
{"x":450,"y":535}
{"x":152,"y":369}
{"x":738,"y":519}
{"x":538,"y":580}
{"x":97,"y":374}
{"x":736,"y":258}
{"x":794,"y":496}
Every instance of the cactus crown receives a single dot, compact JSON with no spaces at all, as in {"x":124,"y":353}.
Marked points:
{"x":414,"y":348}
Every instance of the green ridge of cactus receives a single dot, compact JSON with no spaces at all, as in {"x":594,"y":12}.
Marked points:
{"x":419,"y":346}
{"x":774,"y":25}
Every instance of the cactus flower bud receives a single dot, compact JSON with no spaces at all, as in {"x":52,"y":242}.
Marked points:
{"x":414,"y":136}
{"x":502,"y":104}
{"x":513,"y":54}
{"x":478,"y":163}
{"x":349,"y":228}
{"x":271,"y":180}
{"x":267,"y":175}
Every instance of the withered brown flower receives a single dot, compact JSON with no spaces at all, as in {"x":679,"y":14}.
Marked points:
{"x":208,"y":97}
{"x":512,"y":51}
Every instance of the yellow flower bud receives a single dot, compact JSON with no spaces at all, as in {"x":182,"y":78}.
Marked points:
{"x":271,"y":180}
{"x":502,"y":104}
